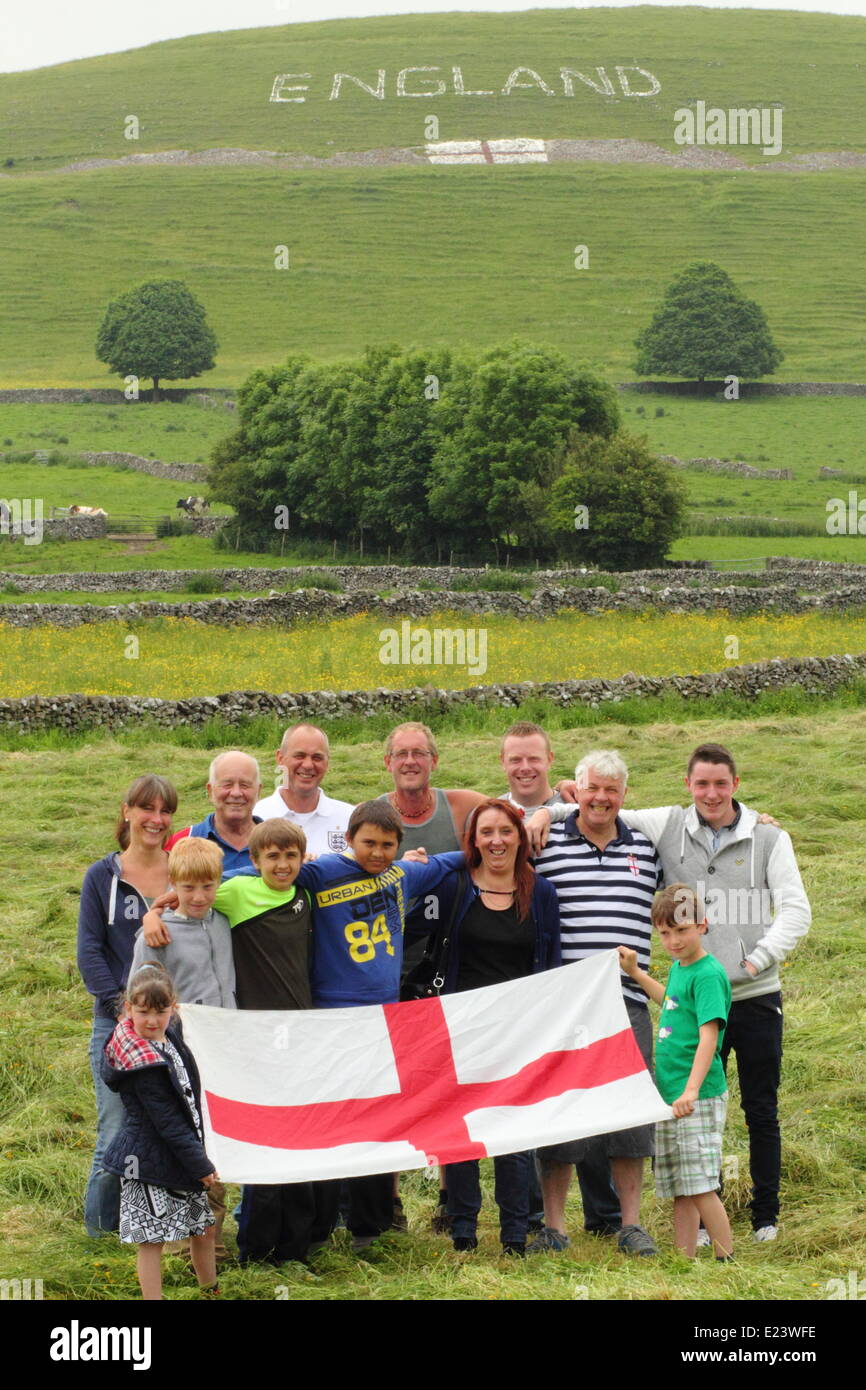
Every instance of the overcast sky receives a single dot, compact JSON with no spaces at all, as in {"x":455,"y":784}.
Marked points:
{"x":36,"y":33}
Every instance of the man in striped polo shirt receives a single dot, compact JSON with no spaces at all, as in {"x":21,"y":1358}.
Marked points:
{"x":605,"y":876}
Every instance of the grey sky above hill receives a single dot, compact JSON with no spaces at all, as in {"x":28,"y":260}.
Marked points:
{"x":37,"y":33}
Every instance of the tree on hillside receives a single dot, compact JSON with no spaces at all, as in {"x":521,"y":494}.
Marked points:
{"x":634,"y":503}
{"x":706,"y":328}
{"x":156,"y":330}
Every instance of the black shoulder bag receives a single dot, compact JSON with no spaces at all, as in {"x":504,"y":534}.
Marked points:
{"x":425,"y":980}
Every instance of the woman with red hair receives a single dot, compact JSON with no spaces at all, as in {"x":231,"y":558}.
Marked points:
{"x":505,"y":926}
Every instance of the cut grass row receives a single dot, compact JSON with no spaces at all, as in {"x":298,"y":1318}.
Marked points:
{"x":47,"y":1116}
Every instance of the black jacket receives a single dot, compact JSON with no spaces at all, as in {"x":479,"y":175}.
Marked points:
{"x":158,"y":1142}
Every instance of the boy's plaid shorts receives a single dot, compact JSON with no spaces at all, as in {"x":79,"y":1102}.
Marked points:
{"x":689,"y":1151}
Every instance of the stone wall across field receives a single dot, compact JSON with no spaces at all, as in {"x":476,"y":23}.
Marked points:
{"x":70,"y":713}
{"x":746,"y":388}
{"x":735,"y":466}
{"x":799,"y":574}
{"x":108,"y":395}
{"x":66,"y":528}
{"x":284,"y":610}
{"x":183,"y":472}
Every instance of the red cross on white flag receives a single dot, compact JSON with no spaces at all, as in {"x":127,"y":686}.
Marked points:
{"x":289,"y":1097}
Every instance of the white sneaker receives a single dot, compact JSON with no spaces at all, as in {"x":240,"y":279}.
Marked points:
{"x":703,"y":1240}
{"x":765,"y":1233}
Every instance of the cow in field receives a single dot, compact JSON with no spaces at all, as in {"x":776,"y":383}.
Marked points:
{"x":78,"y":510}
{"x":194,"y":506}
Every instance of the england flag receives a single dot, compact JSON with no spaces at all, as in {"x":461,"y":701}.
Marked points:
{"x":316,"y":1094}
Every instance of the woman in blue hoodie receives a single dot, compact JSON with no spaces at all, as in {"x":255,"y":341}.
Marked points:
{"x":115,"y":894}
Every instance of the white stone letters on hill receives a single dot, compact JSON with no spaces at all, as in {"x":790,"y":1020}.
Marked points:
{"x":633,"y":81}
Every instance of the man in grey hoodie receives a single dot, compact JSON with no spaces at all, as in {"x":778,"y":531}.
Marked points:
{"x":757,"y":910}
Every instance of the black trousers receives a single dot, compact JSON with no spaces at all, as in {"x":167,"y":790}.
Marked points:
{"x":754,"y":1035}
{"x":371,"y":1205}
{"x":276,"y":1221}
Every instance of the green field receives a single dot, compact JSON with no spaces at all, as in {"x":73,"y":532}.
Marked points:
{"x":425,"y":257}
{"x":47,"y":1115}
{"x":171,"y":431}
{"x":806,"y":62}
{"x":121,"y":492}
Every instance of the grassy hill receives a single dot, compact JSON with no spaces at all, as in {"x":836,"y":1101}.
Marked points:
{"x":213,"y":89}
{"x":422,"y":254}
{"x":425,"y":256}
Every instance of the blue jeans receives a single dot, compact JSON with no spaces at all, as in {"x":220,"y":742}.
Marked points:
{"x":102,"y":1197}
{"x":511,"y":1178}
{"x":600,"y":1203}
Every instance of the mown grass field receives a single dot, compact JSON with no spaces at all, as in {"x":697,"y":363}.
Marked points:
{"x":806,"y":769}
{"x":735,"y":58}
{"x":425,"y":256}
{"x":122,"y":492}
{"x":171,"y":431}
{"x":174,"y":657}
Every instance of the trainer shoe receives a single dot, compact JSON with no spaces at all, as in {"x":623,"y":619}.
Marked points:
{"x":548,"y":1241}
{"x":703,"y":1239}
{"x":765,"y":1233}
{"x":634,"y":1240}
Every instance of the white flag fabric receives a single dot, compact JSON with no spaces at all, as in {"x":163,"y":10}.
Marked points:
{"x":329,"y":1093}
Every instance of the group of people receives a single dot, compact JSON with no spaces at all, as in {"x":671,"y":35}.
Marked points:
{"x":299,"y":900}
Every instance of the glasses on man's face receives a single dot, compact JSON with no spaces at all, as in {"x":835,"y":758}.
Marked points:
{"x":402,"y":755}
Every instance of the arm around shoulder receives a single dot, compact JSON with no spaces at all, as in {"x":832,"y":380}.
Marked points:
{"x":546,"y":907}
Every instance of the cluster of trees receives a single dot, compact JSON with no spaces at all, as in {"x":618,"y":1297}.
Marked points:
{"x":428,"y":453}
{"x":440,"y":451}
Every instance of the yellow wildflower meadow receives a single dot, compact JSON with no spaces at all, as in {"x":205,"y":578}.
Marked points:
{"x":172,"y":657}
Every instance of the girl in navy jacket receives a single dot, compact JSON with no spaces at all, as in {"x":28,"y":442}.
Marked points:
{"x":159,"y":1153}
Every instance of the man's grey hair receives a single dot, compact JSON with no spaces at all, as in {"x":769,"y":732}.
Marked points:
{"x":211,"y":774}
{"x":606,"y":762}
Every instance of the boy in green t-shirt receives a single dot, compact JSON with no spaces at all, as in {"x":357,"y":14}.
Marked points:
{"x":688,"y":1069}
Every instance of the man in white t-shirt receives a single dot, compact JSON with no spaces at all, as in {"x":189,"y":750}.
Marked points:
{"x":303,"y":755}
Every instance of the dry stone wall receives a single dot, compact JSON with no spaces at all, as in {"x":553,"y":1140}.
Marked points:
{"x":736,"y":466}
{"x":71,"y":713}
{"x":781,"y":571}
{"x":183,"y":472}
{"x":283,"y":610}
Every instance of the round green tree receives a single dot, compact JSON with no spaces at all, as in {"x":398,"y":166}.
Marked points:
{"x":706,"y":328}
{"x":614,"y":504}
{"x":156,"y":330}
